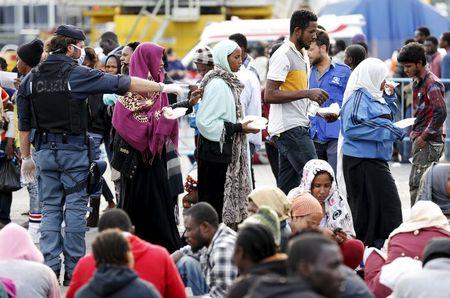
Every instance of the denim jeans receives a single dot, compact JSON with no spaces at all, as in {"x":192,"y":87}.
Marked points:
{"x":295,"y":149}
{"x":61,"y":172}
{"x":35,"y":204}
{"x":192,"y":275}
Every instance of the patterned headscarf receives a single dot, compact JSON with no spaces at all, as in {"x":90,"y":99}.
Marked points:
{"x":137,"y":117}
{"x":337,"y":211}
{"x":237,"y":181}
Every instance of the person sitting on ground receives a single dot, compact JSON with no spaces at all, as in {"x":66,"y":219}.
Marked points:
{"x":22,"y":262}
{"x":354,"y":54}
{"x":306,"y":214}
{"x":435,"y":187}
{"x":274,"y":198}
{"x":267,"y":217}
{"x":206,"y":264}
{"x":408,"y":240}
{"x":319,"y":180}
{"x":313,"y":264}
{"x":434,"y":279}
{"x":255,"y":256}
{"x":151,"y":262}
{"x":114,"y":276}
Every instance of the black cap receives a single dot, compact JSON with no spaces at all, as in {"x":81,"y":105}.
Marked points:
{"x":31,"y":52}
{"x":436,"y":247}
{"x":70,"y":31}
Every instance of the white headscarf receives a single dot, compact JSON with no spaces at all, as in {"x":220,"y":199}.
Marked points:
{"x":369,"y":74}
{"x":424,"y":214}
{"x":337,"y":212}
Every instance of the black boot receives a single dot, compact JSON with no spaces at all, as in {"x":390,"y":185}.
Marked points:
{"x":67,"y":279}
{"x":92,"y":220}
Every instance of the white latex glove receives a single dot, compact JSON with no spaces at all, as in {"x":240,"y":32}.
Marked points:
{"x":172,"y":88}
{"x":28,"y":170}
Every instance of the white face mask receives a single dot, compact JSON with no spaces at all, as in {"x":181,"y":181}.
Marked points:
{"x":80,"y":59}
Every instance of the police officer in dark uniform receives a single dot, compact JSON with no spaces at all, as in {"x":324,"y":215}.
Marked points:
{"x":52,"y":116}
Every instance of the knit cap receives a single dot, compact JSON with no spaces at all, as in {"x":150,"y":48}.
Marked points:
{"x":305,"y":204}
{"x":31,"y":52}
{"x":204,"y":55}
{"x":268,"y":218}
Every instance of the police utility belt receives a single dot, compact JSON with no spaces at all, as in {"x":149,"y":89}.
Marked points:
{"x":62,"y":141}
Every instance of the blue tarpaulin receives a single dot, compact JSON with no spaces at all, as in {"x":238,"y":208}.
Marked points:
{"x":389,"y":23}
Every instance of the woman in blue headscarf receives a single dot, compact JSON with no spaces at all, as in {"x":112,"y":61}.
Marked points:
{"x":223,"y":159}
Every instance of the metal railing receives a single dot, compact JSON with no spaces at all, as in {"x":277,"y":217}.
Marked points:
{"x":400,"y":90}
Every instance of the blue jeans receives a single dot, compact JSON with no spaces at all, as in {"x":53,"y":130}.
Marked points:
{"x":35,"y":203}
{"x":62,"y":171}
{"x":328,"y":152}
{"x":192,"y":275}
{"x":295,"y":149}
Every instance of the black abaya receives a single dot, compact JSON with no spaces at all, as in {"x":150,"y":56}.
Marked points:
{"x":373,"y":199}
{"x":147,"y":200}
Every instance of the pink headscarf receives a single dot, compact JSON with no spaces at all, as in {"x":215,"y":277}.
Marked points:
{"x":154,"y":133}
{"x":16,"y":244}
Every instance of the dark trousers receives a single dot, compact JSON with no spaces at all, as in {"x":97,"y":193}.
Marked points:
{"x":211,"y":184}
{"x":295,"y":149}
{"x":328,"y":152}
{"x":5,"y":207}
{"x":373,"y":199}
{"x":272,"y":155}
{"x":252,"y":172}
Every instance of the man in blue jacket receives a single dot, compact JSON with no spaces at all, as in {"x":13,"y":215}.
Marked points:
{"x":332,"y":77}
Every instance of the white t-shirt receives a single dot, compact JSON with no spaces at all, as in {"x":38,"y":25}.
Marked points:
{"x":291,"y":67}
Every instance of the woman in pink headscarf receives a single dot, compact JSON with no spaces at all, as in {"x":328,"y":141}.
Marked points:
{"x":22,"y":263}
{"x":140,"y":146}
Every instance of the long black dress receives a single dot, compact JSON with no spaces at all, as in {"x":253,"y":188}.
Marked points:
{"x":373,"y":199}
{"x":148,"y":201}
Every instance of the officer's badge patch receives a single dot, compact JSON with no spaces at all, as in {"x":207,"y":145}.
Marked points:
{"x":336,"y":80}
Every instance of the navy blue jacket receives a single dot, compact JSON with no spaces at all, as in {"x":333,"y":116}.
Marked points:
{"x":83,"y":81}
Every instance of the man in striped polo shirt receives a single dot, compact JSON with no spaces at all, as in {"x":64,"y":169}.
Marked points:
{"x":287,"y":92}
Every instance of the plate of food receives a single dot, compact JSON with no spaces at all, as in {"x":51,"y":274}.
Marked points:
{"x":257,"y":122}
{"x":173,"y":114}
{"x":405,"y":123}
{"x":331,"y":110}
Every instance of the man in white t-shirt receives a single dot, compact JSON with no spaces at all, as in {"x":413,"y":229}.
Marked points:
{"x":287,"y":92}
